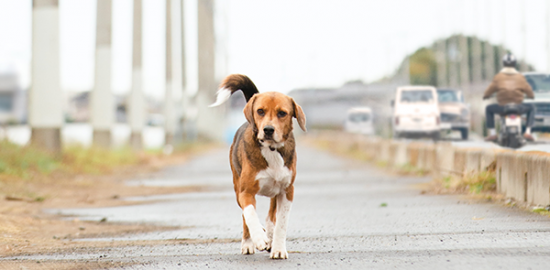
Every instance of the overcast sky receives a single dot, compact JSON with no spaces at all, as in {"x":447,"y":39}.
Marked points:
{"x":282,"y":44}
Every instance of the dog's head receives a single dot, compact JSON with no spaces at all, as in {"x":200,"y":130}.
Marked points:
{"x":270,"y":114}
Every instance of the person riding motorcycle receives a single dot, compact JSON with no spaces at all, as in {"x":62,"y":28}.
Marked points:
{"x":510,"y":86}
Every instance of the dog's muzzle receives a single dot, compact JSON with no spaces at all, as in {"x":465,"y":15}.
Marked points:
{"x":268,"y":132}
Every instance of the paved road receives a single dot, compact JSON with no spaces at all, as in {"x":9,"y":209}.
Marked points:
{"x":337,"y":222}
{"x":542,"y":144}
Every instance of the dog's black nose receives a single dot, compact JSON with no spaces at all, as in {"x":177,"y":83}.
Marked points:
{"x":269,"y":130}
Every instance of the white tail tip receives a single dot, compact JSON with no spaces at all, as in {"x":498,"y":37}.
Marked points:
{"x":222,"y":96}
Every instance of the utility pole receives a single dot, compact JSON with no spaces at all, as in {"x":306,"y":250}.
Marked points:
{"x":476,"y":85}
{"x":454,"y":79}
{"x":101,"y":97}
{"x":441,"y":58}
{"x":502,"y":47}
{"x":477,"y":76}
{"x":503,"y":24}
{"x":489,"y":52}
{"x":523,"y":64}
{"x":407,"y":62}
{"x":464,"y":62}
{"x":45,"y":97}
{"x":464,"y":54}
{"x":453,"y":49}
{"x":136,"y":101}
{"x":477,"y":64}
{"x":407,"y":70}
{"x":548,"y":35}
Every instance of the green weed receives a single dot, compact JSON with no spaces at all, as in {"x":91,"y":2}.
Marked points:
{"x":25,"y":161}
{"x":409,"y":169}
{"x":482,"y":182}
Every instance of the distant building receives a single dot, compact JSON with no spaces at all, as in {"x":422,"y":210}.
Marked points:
{"x":13,"y":100}
{"x":328,"y":107}
{"x":78,"y":109}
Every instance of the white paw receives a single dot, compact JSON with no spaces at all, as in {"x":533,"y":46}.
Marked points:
{"x":247,"y":247}
{"x":260,"y":240}
{"x":279,"y":254}
{"x":269,"y":242}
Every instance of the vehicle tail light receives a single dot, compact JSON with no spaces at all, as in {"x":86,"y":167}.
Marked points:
{"x":437,"y":120}
{"x":397,"y":120}
{"x":512,"y":116}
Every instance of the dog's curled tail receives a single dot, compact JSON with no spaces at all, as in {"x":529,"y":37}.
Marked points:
{"x":232,"y":84}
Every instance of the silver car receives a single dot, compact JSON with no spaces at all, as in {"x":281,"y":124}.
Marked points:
{"x":455,"y":114}
{"x":540,"y":82}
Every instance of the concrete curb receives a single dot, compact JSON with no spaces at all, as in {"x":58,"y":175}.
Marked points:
{"x":523,"y":176}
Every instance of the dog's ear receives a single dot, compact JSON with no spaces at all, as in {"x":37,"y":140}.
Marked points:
{"x":248,"y":113}
{"x":299,"y":115}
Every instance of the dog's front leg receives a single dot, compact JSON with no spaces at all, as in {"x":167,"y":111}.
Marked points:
{"x":247,"y":246}
{"x":278,"y":246}
{"x":257,"y":233}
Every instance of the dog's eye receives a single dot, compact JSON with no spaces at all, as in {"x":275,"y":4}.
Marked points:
{"x":281,"y":114}
{"x":261,"y":112}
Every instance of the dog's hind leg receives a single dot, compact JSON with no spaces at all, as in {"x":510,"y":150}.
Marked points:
{"x":284,"y":202}
{"x":270,"y":221}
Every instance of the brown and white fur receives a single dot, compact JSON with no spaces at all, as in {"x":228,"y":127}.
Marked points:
{"x":263,"y":162}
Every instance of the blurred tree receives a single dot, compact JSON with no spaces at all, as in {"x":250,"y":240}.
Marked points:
{"x":423,"y":67}
{"x":423,"y":62}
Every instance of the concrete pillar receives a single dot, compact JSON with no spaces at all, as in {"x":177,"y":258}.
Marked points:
{"x":136,"y":101}
{"x":45,"y":97}
{"x":101,"y":99}
{"x":187,"y":124}
{"x":177,"y":67}
{"x":210,"y":121}
{"x":441,"y":58}
{"x":169,"y":108}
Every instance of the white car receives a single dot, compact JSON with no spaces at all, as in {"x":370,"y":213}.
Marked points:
{"x":359,"y":120}
{"x":416,"y":112}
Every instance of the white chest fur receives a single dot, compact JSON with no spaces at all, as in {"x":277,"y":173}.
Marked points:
{"x":276,"y":177}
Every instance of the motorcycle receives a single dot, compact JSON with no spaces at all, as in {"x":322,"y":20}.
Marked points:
{"x":510,"y":134}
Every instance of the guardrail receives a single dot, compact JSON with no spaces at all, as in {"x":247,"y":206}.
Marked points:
{"x":523,"y":176}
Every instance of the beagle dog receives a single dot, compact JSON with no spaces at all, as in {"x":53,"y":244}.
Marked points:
{"x":263,"y":162}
